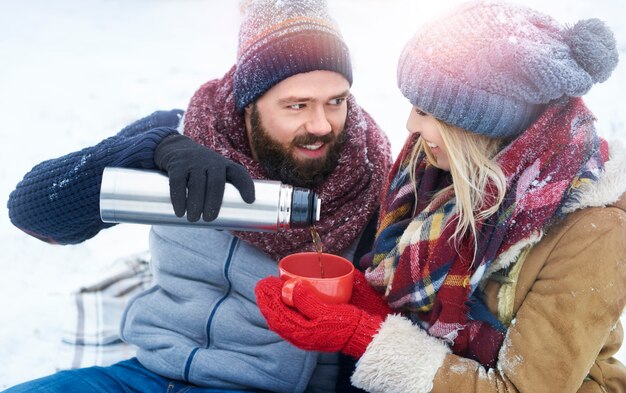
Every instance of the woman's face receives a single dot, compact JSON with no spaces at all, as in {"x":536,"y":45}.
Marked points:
{"x":426,"y":125}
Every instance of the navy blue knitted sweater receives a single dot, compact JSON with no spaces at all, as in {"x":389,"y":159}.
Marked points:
{"x":58,"y":200}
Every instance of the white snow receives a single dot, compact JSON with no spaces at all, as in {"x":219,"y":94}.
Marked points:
{"x":74,"y":72}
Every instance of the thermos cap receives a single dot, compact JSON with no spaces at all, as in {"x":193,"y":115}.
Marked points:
{"x":305,"y":207}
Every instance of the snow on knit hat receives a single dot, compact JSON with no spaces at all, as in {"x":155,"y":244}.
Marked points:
{"x":490,"y":67}
{"x":281,"y":38}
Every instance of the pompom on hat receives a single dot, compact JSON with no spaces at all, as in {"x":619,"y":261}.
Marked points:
{"x":491,"y":67}
{"x":282,"y":38}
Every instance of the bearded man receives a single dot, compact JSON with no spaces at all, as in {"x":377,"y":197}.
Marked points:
{"x":283,"y":112}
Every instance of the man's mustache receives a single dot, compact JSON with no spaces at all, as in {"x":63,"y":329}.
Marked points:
{"x":309,"y":139}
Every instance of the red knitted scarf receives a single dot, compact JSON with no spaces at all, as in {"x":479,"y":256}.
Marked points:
{"x":350,"y":194}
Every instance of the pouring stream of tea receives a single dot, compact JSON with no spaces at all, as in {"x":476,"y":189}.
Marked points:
{"x":317,"y":243}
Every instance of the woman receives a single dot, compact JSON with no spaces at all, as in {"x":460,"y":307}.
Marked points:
{"x":500,"y":245}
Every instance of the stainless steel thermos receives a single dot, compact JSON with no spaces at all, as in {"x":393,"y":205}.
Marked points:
{"x":143,"y":197}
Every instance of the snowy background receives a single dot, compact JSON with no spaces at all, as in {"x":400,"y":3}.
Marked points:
{"x":73,"y":72}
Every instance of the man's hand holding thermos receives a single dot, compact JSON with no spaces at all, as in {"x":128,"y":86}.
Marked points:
{"x":197,"y":176}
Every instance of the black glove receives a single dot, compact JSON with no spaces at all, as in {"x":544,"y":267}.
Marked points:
{"x":198,"y":176}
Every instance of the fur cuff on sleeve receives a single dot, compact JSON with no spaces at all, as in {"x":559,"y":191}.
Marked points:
{"x":401,"y":358}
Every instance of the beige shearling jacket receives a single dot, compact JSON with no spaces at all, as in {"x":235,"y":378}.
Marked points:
{"x":562,"y":298}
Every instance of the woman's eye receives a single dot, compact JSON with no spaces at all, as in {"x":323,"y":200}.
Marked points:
{"x":337,"y":101}
{"x":420,"y":112}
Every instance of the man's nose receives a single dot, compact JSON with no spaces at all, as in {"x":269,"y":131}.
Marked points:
{"x":318,"y":123}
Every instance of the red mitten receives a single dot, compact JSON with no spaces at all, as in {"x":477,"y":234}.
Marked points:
{"x":313,"y":325}
{"x":365,"y":297}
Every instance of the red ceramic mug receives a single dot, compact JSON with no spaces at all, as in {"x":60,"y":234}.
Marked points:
{"x":304,"y":267}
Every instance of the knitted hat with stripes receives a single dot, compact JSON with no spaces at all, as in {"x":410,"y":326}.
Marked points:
{"x":281,"y":38}
{"x":491,"y":67}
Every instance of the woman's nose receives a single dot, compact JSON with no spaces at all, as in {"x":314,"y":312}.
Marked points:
{"x":412,"y":123}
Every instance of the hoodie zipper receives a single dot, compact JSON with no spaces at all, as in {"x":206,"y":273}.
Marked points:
{"x":233,"y":244}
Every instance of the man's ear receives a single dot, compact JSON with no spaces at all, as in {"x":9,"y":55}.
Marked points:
{"x":247,"y":111}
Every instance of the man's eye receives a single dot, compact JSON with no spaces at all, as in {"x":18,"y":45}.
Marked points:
{"x":337,"y":101}
{"x":296,"y":106}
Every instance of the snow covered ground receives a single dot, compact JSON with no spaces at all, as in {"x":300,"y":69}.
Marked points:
{"x":73,"y":72}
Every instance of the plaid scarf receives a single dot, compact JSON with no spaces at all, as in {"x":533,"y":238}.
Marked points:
{"x":349,"y":195}
{"x":434,"y":280}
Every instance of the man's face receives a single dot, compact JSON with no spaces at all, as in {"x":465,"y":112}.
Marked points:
{"x":296,"y":128}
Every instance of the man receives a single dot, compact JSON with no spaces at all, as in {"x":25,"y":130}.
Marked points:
{"x":283,"y":112}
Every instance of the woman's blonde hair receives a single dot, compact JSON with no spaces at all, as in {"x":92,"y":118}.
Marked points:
{"x":473,"y":169}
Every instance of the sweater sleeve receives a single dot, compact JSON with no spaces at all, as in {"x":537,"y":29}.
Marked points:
{"x":58,"y":200}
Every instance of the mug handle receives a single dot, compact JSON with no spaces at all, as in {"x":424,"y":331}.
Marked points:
{"x":288,"y":287}
{"x":287,"y":291}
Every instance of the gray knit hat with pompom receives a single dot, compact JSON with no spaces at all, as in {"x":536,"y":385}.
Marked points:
{"x":491,"y":67}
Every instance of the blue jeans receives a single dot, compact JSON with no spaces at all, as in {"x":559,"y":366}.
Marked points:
{"x":128,"y":376}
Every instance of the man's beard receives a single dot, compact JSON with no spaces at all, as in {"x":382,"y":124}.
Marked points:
{"x":278,"y":162}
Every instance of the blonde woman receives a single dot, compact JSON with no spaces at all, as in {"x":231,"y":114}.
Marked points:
{"x":500,"y":257}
